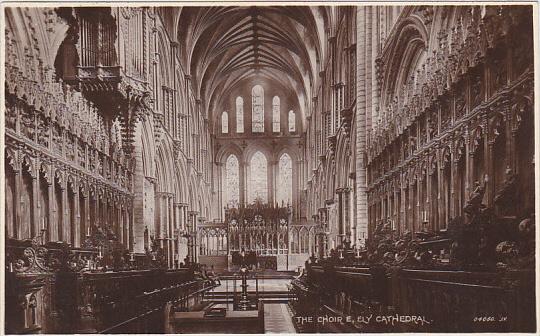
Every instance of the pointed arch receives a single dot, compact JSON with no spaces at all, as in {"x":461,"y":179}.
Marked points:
{"x":276,"y":111}
{"x":292,"y":121}
{"x":225,"y":122}
{"x":284,"y":185}
{"x":258,"y":178}
{"x":257,"y":112}
{"x":239,"y":114}
{"x":232,"y":181}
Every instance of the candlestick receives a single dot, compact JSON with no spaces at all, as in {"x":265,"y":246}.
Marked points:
{"x":88,"y":233}
{"x":43,"y":223}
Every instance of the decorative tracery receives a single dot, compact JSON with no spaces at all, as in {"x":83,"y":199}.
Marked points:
{"x":284,"y":186}
{"x":258,"y":181}
{"x":276,"y":114}
{"x":257,"y":100}
{"x":292,"y":121}
{"x":239,"y":115}
{"x":232,"y":180}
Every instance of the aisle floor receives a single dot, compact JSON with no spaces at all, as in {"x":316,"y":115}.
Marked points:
{"x":278,"y":319}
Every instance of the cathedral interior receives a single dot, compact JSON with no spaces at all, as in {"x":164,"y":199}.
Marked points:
{"x":269,"y":169}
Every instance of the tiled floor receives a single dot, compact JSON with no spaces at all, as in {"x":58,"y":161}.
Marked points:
{"x":277,"y":319}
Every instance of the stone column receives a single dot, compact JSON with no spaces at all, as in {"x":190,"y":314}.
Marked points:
{"x":221,"y":182}
{"x":86,"y":198}
{"x":157,"y":215}
{"x":453,"y":182}
{"x":52,"y":232}
{"x":97,"y":216}
{"x":154,"y":228}
{"x":245,"y":178}
{"x":124,"y":222}
{"x":122,"y":233}
{"x":192,"y":235}
{"x":176,"y":215}
{"x":411,"y":207}
{"x":419,"y":204}
{"x":489,"y":164}
{"x":76,"y":234}
{"x":128,"y":228}
{"x":187,"y":94}
{"x":364,"y":94}
{"x":164,"y":219}
{"x":341,"y":225}
{"x":178,"y":229}
{"x":352,"y":226}
{"x":297,"y":187}
{"x":395,"y":215}
{"x":17,"y":204}
{"x":468,"y":167}
{"x":63,"y":215}
{"x":195,"y":241}
{"x":442,"y":219}
{"x":170,"y":233}
{"x":383,"y":204}
{"x":183,"y":216}
{"x":427,"y":198}
{"x":36,"y":229}
{"x":272,"y":185}
{"x":403,"y":218}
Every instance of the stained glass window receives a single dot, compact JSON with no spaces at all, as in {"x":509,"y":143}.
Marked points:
{"x":224,"y":123}
{"x":258,"y":180}
{"x":232,"y":184}
{"x":292,"y":121}
{"x":284,"y":184}
{"x":275,"y":114}
{"x":239,"y":115}
{"x":257,"y":116}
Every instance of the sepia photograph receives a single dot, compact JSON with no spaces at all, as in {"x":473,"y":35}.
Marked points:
{"x":252,"y":168}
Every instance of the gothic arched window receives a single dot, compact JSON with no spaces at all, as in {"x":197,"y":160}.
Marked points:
{"x":275,"y":114}
{"x":258,"y":180}
{"x":232,"y":181}
{"x":239,"y":115}
{"x":257,"y":113}
{"x":284,"y":184}
{"x":224,"y":123}
{"x":292,"y":121}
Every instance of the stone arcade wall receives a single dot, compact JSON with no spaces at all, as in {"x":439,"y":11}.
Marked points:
{"x":454,"y":118}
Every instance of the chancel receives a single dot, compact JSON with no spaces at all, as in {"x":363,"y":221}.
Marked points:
{"x":269,"y":169}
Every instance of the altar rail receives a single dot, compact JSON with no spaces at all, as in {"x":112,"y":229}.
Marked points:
{"x":450,"y":301}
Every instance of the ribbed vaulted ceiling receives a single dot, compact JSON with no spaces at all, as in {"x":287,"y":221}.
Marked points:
{"x":221,"y":46}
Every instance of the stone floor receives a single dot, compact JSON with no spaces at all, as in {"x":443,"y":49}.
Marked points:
{"x":278,"y":319}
